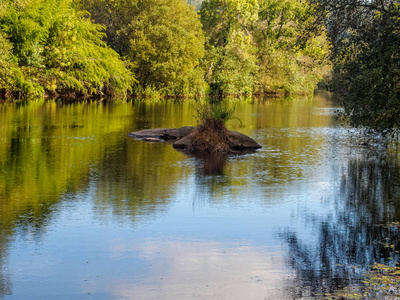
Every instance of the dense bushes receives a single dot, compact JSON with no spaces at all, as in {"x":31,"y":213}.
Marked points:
{"x":163,"y":39}
{"x":159,"y":46}
{"x":52,"y":48}
{"x":264,"y":46}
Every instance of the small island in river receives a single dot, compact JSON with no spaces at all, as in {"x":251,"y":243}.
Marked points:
{"x":200,"y":139}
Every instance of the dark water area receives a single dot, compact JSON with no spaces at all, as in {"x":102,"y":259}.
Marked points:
{"x":88,"y":213}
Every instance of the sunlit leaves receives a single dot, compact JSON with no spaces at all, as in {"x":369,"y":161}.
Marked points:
{"x":264,"y":46}
{"x":163,"y":40}
{"x":59,"y":49}
{"x":166,"y":43}
{"x":230,"y":52}
{"x":293,"y":53}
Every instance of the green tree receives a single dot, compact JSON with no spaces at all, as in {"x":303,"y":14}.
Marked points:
{"x":230,"y":51}
{"x":11,"y":78}
{"x":167,"y":44}
{"x":264,"y":46}
{"x":162,"y":38}
{"x":366,"y":40}
{"x":8,"y":68}
{"x":369,"y":74}
{"x":114,"y":16}
{"x":293,"y":51}
{"x":59,"y":50}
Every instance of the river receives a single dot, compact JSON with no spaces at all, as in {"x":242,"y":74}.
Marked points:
{"x":87,"y":212}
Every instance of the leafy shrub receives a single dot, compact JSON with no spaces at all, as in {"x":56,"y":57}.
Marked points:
{"x":163,"y":39}
{"x":59,"y":49}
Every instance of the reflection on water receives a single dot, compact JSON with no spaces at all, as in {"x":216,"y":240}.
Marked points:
{"x":212,"y":164}
{"x":350,"y":235}
{"x":89,"y":213}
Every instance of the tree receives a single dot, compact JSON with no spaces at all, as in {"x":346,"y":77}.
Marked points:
{"x":230,"y":50}
{"x":293,"y":50}
{"x":114,"y":16}
{"x":370,"y":75}
{"x":264,"y":46}
{"x":367,"y":62}
{"x":8,"y":68}
{"x":58,"y":49}
{"x":162,"y":38}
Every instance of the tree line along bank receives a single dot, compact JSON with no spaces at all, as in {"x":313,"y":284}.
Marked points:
{"x":173,"y":49}
{"x":163,"y":47}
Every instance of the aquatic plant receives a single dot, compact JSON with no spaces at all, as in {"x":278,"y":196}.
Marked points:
{"x":382,"y":281}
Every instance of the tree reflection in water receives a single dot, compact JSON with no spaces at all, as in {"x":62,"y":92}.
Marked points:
{"x":5,"y":281}
{"x":213,"y":164}
{"x":352,"y":236}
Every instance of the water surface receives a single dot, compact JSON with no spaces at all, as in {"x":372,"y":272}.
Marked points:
{"x":89,"y":213}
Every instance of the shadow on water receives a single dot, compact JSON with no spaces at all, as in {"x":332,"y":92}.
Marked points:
{"x":352,"y":235}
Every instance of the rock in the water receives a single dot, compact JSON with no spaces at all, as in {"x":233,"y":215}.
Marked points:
{"x":162,"y":134}
{"x":236,"y":141}
{"x":187,"y":138}
{"x":240,"y":141}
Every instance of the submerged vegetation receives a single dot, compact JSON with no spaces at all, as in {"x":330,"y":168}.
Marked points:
{"x":165,"y":47}
{"x":382,"y":281}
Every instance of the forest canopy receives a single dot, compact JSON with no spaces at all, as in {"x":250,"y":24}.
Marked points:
{"x":165,"y":47}
{"x":264,"y":46}
{"x":163,"y":40}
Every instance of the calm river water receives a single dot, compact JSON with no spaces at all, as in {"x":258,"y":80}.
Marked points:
{"x":88,"y":213}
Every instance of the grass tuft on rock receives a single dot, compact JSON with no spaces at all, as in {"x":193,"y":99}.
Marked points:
{"x":210,"y":137}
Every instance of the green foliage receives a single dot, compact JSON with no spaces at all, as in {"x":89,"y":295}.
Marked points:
{"x":7,"y":67}
{"x":162,"y":38}
{"x":59,"y":49}
{"x":230,"y":51}
{"x":53,"y":47}
{"x":215,"y":109}
{"x":114,"y":16}
{"x":368,"y":73}
{"x":223,"y":20}
{"x":293,"y":52}
{"x":264,"y":46}
{"x":166,"y":45}
{"x":233,"y":67}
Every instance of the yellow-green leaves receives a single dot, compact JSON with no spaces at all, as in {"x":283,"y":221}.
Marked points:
{"x":293,"y":52}
{"x":264,"y":46}
{"x":166,"y":44}
{"x":59,"y":49}
{"x":162,"y":39}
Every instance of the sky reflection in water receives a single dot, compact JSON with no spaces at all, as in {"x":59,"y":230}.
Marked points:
{"x":109,"y":217}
